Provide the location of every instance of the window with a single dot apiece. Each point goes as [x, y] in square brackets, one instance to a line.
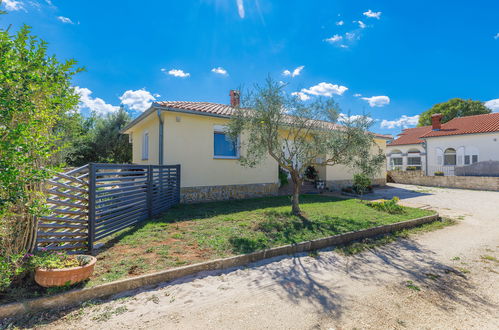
[397, 161]
[467, 160]
[474, 159]
[223, 146]
[450, 156]
[145, 146]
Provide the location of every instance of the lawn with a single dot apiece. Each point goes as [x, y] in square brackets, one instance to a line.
[194, 233]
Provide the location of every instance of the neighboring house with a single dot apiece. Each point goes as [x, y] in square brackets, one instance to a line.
[192, 134]
[459, 143]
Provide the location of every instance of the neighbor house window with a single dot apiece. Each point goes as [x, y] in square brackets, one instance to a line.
[467, 160]
[145, 146]
[474, 159]
[450, 156]
[223, 146]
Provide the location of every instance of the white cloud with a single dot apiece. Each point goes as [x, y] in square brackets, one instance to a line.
[296, 72]
[333, 39]
[377, 101]
[357, 95]
[220, 71]
[496, 36]
[342, 118]
[93, 104]
[138, 100]
[362, 25]
[13, 5]
[240, 8]
[177, 73]
[404, 122]
[340, 23]
[351, 36]
[372, 14]
[493, 105]
[325, 89]
[65, 20]
[302, 96]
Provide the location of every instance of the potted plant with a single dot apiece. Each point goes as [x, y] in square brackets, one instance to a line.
[59, 269]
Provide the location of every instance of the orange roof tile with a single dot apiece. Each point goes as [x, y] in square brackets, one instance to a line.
[410, 136]
[467, 125]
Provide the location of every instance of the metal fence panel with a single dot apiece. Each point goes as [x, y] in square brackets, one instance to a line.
[97, 200]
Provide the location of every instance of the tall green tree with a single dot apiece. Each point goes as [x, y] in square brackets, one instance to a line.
[35, 93]
[101, 140]
[452, 109]
[298, 135]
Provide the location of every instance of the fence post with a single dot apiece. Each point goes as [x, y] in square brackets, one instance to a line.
[91, 206]
[177, 195]
[149, 190]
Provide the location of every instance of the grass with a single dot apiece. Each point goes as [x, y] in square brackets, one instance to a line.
[195, 233]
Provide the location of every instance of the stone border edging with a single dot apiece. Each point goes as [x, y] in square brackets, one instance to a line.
[105, 290]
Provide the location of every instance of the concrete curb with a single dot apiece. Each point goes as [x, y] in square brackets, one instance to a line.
[74, 297]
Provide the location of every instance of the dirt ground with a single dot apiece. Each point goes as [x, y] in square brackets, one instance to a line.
[446, 279]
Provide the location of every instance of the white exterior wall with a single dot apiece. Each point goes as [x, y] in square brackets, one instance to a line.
[404, 149]
[485, 145]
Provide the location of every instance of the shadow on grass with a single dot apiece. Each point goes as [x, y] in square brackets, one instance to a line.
[199, 211]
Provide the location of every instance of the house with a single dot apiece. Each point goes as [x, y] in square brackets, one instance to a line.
[453, 146]
[192, 134]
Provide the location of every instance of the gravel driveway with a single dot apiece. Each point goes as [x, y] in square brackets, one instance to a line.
[446, 279]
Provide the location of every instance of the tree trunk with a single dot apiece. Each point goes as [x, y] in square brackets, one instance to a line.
[296, 194]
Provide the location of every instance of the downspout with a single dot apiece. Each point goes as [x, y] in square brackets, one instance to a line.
[161, 125]
[426, 157]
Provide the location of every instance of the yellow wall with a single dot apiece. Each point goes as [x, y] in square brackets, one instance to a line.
[151, 125]
[342, 172]
[189, 142]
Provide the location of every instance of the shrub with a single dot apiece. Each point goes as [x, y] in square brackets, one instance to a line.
[13, 268]
[439, 173]
[311, 173]
[361, 183]
[389, 206]
[411, 168]
[283, 176]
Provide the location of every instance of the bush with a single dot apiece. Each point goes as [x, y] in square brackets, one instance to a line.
[439, 173]
[311, 173]
[283, 176]
[13, 268]
[361, 183]
[389, 206]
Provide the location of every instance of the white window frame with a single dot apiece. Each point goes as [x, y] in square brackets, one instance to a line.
[145, 145]
[223, 130]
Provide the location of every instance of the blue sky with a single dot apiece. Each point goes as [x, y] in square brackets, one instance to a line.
[389, 59]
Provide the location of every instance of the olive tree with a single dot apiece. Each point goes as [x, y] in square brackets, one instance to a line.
[35, 92]
[300, 134]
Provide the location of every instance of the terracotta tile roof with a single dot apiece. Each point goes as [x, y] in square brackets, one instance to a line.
[468, 125]
[205, 107]
[222, 110]
[410, 136]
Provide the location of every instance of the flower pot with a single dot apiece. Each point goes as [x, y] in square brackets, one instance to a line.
[59, 277]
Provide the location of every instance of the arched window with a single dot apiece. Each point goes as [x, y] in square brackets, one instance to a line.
[450, 156]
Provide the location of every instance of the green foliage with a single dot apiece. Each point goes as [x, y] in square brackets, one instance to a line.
[296, 134]
[100, 140]
[283, 177]
[57, 260]
[439, 173]
[311, 173]
[452, 109]
[411, 168]
[389, 206]
[361, 183]
[35, 95]
[11, 267]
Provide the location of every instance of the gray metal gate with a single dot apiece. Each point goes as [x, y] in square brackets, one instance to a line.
[92, 202]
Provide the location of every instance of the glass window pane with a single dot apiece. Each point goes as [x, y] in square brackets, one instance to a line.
[474, 159]
[414, 161]
[450, 159]
[223, 146]
[467, 160]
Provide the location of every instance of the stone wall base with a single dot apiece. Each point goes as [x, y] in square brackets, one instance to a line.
[337, 185]
[464, 182]
[219, 193]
